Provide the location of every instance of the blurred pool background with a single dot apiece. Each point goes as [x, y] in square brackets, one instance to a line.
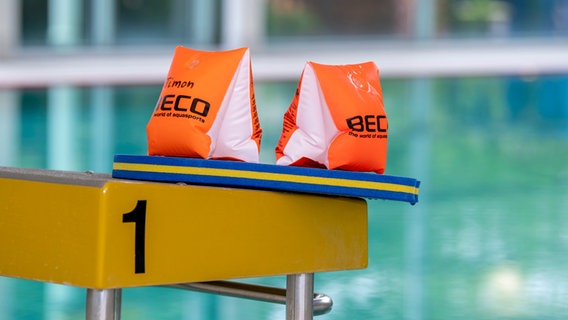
[487, 137]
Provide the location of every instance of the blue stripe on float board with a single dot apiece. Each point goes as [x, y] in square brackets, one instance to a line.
[266, 176]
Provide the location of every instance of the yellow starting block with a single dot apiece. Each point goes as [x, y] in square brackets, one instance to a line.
[93, 231]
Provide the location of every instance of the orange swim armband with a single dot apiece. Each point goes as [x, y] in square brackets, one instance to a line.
[207, 108]
[336, 120]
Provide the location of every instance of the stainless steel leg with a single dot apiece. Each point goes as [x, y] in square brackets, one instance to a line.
[299, 296]
[103, 304]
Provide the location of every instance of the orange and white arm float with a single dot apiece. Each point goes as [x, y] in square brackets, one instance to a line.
[336, 120]
[207, 108]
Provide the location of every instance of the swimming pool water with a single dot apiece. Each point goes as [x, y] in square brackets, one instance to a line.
[486, 241]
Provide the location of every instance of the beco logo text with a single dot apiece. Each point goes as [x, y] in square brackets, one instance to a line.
[184, 103]
[368, 123]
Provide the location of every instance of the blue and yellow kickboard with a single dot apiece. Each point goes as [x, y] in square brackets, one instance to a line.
[266, 176]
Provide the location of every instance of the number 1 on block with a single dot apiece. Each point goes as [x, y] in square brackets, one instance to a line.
[138, 217]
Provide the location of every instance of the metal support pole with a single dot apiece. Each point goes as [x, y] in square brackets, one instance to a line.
[103, 304]
[299, 296]
[321, 304]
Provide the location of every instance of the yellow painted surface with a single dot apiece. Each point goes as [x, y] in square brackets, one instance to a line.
[49, 231]
[76, 235]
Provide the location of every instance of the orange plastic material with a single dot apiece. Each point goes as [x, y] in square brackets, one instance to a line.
[207, 108]
[336, 120]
